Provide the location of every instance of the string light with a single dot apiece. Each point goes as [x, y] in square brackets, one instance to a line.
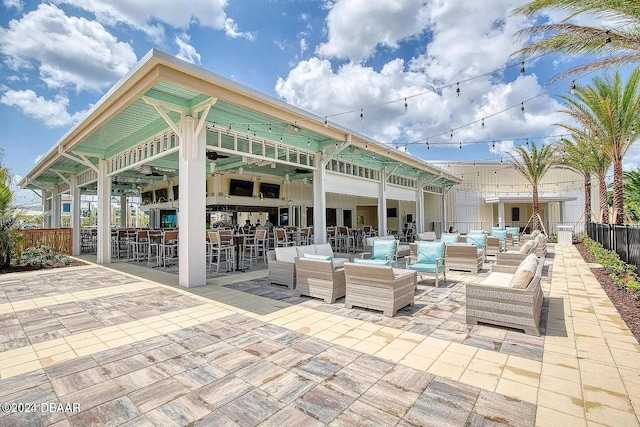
[269, 128]
[573, 87]
[326, 123]
[461, 145]
[451, 136]
[406, 106]
[522, 70]
[493, 144]
[482, 124]
[361, 114]
[428, 145]
[608, 39]
[458, 90]
[522, 107]
[280, 137]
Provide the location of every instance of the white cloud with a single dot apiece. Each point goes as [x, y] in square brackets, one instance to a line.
[15, 4]
[357, 27]
[186, 51]
[52, 112]
[231, 30]
[145, 14]
[501, 148]
[303, 46]
[313, 84]
[38, 158]
[68, 51]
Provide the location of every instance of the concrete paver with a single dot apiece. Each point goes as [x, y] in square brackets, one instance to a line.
[129, 346]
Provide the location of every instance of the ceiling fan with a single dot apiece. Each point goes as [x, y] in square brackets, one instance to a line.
[214, 155]
[300, 171]
[148, 171]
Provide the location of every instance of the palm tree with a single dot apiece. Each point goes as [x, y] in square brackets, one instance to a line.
[533, 165]
[8, 220]
[620, 45]
[610, 111]
[632, 193]
[583, 153]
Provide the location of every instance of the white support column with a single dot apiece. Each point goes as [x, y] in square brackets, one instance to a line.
[46, 206]
[500, 215]
[75, 215]
[192, 203]
[123, 211]
[104, 214]
[562, 207]
[420, 208]
[319, 203]
[55, 207]
[382, 203]
[443, 213]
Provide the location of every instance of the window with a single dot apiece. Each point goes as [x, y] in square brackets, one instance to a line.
[515, 214]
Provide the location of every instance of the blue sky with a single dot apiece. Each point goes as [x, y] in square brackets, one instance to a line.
[328, 57]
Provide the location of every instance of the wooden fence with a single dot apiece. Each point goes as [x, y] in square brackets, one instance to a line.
[59, 239]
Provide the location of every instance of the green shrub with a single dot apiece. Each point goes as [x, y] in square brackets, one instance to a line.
[622, 274]
[42, 257]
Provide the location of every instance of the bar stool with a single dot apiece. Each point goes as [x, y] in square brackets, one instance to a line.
[256, 244]
[169, 247]
[222, 250]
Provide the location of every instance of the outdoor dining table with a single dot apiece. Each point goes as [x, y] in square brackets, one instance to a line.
[238, 241]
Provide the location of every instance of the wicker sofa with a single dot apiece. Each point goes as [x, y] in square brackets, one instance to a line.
[463, 257]
[319, 279]
[509, 296]
[381, 288]
[281, 261]
[514, 258]
[541, 250]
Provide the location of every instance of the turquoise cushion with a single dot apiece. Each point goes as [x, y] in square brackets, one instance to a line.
[383, 249]
[428, 252]
[514, 231]
[450, 238]
[318, 257]
[500, 234]
[426, 267]
[373, 261]
[479, 240]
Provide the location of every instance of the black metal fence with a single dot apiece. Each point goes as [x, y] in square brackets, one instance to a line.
[623, 239]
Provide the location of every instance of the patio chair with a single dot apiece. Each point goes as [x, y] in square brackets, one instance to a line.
[254, 245]
[281, 238]
[383, 252]
[501, 235]
[221, 250]
[479, 241]
[169, 248]
[429, 259]
[382, 288]
[514, 232]
[463, 257]
[319, 278]
[427, 236]
[493, 245]
[450, 238]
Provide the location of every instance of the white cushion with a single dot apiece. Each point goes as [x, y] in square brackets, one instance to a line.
[339, 262]
[526, 247]
[308, 249]
[525, 272]
[427, 235]
[324, 249]
[286, 254]
[498, 279]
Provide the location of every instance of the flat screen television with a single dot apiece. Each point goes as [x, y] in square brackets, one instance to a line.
[392, 212]
[161, 195]
[270, 191]
[175, 192]
[241, 188]
[147, 197]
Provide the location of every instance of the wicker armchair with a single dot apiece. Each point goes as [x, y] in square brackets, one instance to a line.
[319, 279]
[382, 288]
[463, 257]
[496, 301]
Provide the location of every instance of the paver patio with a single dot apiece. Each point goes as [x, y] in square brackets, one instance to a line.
[131, 351]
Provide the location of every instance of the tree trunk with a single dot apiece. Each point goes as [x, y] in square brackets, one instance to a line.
[604, 206]
[587, 198]
[536, 209]
[618, 191]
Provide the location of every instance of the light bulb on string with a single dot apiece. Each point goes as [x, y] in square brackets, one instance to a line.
[406, 106]
[608, 39]
[269, 128]
[361, 114]
[522, 107]
[461, 145]
[326, 123]
[573, 87]
[493, 144]
[522, 70]
[458, 90]
[428, 145]
[527, 142]
[482, 124]
[280, 137]
[451, 136]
